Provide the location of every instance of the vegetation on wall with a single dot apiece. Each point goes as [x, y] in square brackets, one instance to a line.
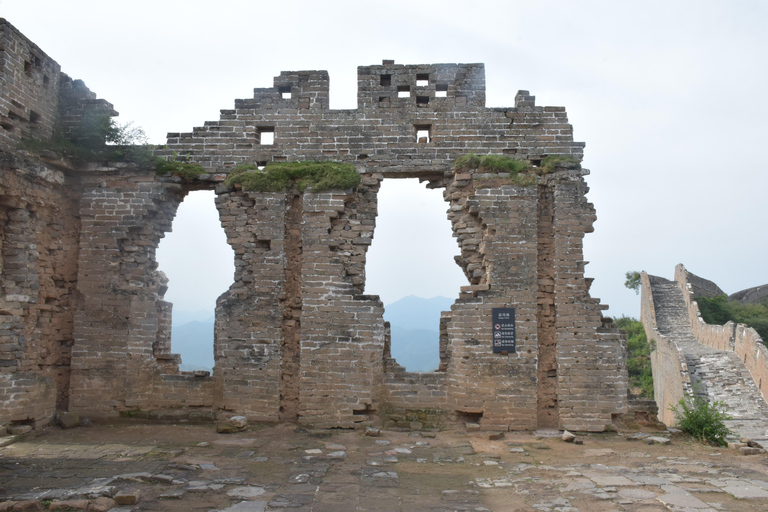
[520, 172]
[277, 176]
[178, 168]
[638, 356]
[98, 138]
[720, 309]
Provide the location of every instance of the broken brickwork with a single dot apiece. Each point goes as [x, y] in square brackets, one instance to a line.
[296, 338]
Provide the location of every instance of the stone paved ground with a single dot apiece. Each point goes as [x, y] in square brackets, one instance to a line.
[189, 468]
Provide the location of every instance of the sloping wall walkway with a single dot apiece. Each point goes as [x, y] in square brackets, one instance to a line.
[717, 374]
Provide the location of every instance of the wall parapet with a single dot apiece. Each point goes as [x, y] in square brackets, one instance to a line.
[671, 377]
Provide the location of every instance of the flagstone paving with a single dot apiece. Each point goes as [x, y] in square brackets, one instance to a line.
[187, 468]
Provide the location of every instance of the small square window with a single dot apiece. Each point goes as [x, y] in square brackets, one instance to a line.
[384, 101]
[423, 133]
[386, 80]
[441, 91]
[285, 92]
[422, 80]
[261, 165]
[266, 135]
[422, 101]
[403, 91]
[34, 117]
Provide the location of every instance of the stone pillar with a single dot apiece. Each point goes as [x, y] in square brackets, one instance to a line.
[249, 316]
[114, 363]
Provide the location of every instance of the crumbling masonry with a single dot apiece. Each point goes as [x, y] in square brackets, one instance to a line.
[83, 324]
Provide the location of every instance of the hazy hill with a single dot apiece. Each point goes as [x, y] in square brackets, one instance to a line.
[194, 341]
[415, 324]
[415, 334]
[417, 313]
[181, 316]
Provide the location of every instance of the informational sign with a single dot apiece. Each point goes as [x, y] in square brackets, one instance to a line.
[503, 329]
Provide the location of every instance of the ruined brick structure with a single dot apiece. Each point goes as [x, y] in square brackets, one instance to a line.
[85, 328]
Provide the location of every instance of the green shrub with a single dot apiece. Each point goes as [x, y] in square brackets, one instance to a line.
[276, 176]
[703, 420]
[638, 356]
[719, 310]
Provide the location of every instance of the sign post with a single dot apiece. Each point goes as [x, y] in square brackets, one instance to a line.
[503, 330]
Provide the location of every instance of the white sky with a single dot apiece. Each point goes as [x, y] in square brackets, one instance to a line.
[670, 97]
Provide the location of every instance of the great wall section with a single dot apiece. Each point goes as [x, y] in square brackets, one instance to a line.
[721, 363]
[83, 322]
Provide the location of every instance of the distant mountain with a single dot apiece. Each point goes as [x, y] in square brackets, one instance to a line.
[415, 327]
[182, 316]
[415, 324]
[417, 313]
[416, 349]
[194, 341]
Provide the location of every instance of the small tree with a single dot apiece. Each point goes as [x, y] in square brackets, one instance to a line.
[633, 281]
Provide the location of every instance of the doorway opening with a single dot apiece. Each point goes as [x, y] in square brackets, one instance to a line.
[199, 264]
[411, 266]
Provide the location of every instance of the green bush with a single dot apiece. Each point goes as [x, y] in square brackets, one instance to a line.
[277, 176]
[703, 420]
[638, 356]
[719, 310]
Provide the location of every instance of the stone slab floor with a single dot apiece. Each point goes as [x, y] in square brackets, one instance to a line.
[184, 468]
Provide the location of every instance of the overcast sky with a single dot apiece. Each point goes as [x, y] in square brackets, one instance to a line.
[670, 98]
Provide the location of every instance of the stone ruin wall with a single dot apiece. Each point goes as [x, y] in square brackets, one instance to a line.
[296, 339]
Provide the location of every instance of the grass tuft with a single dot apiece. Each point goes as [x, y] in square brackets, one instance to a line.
[277, 176]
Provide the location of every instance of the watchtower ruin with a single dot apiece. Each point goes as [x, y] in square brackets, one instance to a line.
[85, 326]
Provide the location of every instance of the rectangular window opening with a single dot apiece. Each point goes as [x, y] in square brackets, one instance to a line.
[34, 117]
[384, 101]
[422, 79]
[285, 92]
[441, 91]
[422, 101]
[261, 164]
[423, 133]
[27, 67]
[385, 80]
[403, 91]
[266, 135]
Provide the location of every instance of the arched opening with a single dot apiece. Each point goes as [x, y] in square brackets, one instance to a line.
[411, 266]
[199, 265]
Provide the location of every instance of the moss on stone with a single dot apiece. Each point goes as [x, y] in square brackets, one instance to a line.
[183, 170]
[553, 163]
[277, 176]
